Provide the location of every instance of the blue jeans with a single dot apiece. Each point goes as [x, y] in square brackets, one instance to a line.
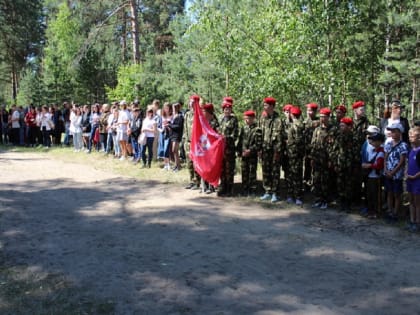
[136, 148]
[92, 134]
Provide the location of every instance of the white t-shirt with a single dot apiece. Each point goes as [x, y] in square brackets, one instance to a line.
[149, 123]
[15, 119]
[123, 118]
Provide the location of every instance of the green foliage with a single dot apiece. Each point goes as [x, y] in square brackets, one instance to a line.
[128, 88]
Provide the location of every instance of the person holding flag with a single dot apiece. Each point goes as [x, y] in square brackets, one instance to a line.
[207, 146]
[195, 179]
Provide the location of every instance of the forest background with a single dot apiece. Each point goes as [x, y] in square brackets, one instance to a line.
[325, 51]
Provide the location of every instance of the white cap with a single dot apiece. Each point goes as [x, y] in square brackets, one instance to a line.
[373, 129]
[396, 126]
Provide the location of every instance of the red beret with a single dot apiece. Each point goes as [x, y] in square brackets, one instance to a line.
[195, 98]
[325, 111]
[208, 107]
[270, 101]
[295, 111]
[226, 105]
[347, 120]
[228, 99]
[249, 113]
[341, 108]
[287, 107]
[312, 106]
[358, 104]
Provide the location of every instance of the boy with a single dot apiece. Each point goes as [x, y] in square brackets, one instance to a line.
[374, 166]
[413, 179]
[395, 156]
[249, 144]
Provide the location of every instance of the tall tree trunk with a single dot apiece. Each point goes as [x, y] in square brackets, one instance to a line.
[14, 83]
[124, 35]
[135, 31]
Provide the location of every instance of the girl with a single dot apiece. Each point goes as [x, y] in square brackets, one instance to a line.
[413, 179]
[149, 127]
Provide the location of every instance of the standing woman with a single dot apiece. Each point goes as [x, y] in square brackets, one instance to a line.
[164, 133]
[30, 120]
[94, 122]
[149, 128]
[45, 123]
[76, 128]
[103, 124]
[176, 128]
[122, 136]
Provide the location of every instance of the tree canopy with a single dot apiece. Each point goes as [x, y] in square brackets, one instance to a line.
[329, 52]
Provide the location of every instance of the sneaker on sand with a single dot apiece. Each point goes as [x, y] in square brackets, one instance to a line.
[266, 196]
[274, 198]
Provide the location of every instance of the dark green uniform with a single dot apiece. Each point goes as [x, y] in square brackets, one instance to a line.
[342, 153]
[250, 138]
[295, 151]
[186, 139]
[359, 137]
[229, 129]
[309, 127]
[322, 139]
[271, 127]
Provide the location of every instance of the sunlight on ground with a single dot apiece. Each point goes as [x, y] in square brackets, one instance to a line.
[343, 254]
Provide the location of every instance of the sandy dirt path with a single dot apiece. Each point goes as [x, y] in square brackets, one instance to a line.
[150, 248]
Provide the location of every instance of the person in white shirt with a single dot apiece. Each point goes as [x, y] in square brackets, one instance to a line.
[46, 125]
[15, 125]
[149, 128]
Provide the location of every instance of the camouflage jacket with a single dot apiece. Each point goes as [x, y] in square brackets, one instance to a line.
[309, 126]
[188, 121]
[250, 138]
[295, 139]
[229, 129]
[359, 131]
[342, 151]
[271, 128]
[322, 140]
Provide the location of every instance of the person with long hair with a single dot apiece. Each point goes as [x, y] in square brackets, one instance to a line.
[149, 128]
[176, 127]
[164, 133]
[122, 136]
[30, 120]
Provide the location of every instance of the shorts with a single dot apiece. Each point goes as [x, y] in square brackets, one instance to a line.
[413, 186]
[393, 185]
[121, 136]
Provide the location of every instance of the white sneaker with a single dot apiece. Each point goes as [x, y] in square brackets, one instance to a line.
[299, 202]
[122, 158]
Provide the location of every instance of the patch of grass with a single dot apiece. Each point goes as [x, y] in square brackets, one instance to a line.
[23, 292]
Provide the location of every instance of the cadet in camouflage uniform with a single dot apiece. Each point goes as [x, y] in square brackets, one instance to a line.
[229, 129]
[311, 122]
[295, 152]
[340, 111]
[271, 127]
[249, 144]
[284, 161]
[195, 179]
[342, 157]
[322, 139]
[360, 125]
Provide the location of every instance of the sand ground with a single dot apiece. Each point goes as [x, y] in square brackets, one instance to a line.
[150, 248]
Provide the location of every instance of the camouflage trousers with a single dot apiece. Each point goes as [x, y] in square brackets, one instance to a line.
[343, 188]
[320, 180]
[249, 174]
[295, 180]
[194, 177]
[228, 172]
[271, 172]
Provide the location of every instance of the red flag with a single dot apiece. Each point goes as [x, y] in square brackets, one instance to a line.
[207, 148]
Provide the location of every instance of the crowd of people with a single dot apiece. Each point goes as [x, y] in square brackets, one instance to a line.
[334, 155]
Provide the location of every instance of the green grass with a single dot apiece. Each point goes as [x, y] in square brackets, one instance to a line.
[107, 163]
[22, 292]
